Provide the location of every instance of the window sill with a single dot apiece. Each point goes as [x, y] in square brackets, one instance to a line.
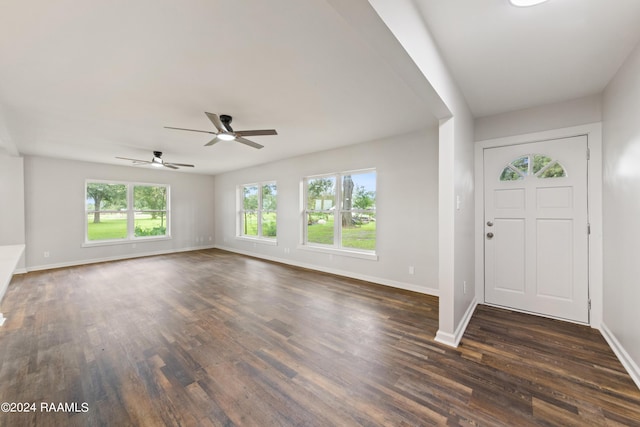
[124, 241]
[262, 241]
[372, 256]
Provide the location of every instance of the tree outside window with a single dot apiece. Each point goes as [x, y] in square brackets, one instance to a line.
[106, 206]
[150, 210]
[356, 227]
[122, 211]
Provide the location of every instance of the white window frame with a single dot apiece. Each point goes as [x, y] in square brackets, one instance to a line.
[130, 211]
[259, 212]
[336, 211]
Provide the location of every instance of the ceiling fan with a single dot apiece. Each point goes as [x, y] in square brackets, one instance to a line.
[157, 162]
[226, 133]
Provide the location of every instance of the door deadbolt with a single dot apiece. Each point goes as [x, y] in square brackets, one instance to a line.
[489, 235]
[490, 223]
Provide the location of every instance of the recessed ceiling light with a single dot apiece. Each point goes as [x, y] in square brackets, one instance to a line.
[526, 3]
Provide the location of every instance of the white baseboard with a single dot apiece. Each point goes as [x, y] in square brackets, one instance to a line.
[453, 340]
[113, 258]
[337, 272]
[629, 364]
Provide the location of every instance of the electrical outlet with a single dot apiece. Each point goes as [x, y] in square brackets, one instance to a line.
[411, 269]
[464, 286]
[46, 254]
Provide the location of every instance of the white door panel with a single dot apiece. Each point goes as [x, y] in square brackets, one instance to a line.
[510, 275]
[554, 249]
[536, 242]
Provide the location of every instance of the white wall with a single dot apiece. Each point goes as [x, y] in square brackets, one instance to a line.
[546, 117]
[621, 211]
[407, 210]
[456, 137]
[54, 200]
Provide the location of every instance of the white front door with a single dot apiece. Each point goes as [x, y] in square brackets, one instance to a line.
[536, 228]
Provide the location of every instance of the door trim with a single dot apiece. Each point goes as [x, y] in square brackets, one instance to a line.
[593, 132]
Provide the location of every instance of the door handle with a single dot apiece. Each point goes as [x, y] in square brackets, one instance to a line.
[489, 235]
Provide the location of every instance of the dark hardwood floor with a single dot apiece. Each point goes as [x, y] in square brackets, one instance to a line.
[210, 338]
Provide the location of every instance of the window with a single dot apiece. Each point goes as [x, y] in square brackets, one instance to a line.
[537, 165]
[258, 205]
[122, 211]
[150, 210]
[340, 211]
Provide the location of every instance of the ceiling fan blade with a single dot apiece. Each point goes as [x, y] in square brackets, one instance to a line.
[256, 132]
[249, 143]
[216, 121]
[170, 166]
[184, 165]
[133, 160]
[213, 141]
[190, 130]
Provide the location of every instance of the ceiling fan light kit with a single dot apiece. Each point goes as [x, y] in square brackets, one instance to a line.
[226, 136]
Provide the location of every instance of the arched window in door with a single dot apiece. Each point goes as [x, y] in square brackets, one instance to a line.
[537, 165]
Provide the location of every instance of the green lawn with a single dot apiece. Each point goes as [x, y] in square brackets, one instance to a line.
[363, 236]
[357, 237]
[114, 226]
[268, 225]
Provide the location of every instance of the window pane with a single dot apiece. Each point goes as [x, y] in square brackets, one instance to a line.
[522, 164]
[150, 202]
[554, 171]
[320, 228]
[540, 162]
[359, 230]
[359, 191]
[269, 224]
[269, 197]
[321, 193]
[102, 196]
[105, 226]
[250, 223]
[149, 198]
[250, 198]
[150, 224]
[509, 174]
[106, 197]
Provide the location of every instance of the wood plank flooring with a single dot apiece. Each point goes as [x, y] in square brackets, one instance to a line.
[210, 338]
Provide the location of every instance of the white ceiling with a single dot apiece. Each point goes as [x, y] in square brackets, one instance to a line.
[508, 58]
[91, 80]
